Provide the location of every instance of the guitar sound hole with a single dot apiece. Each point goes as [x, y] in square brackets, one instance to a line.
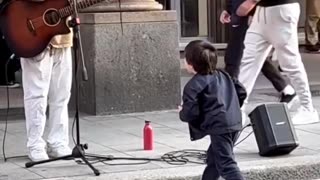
[52, 17]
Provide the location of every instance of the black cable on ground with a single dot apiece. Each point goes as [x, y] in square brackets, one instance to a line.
[180, 157]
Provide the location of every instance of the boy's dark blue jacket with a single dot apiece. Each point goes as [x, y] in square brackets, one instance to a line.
[211, 104]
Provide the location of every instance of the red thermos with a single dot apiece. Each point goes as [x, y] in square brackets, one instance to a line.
[148, 136]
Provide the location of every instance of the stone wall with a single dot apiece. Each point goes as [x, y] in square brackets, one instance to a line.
[133, 66]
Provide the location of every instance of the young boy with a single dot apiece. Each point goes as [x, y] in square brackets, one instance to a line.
[211, 106]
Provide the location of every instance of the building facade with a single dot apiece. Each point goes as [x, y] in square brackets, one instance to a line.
[199, 19]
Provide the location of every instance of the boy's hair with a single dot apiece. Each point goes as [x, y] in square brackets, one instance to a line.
[201, 55]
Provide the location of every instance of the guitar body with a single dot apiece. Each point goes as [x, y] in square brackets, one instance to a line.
[28, 27]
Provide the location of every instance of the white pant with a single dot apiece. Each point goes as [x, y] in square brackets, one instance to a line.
[47, 80]
[275, 26]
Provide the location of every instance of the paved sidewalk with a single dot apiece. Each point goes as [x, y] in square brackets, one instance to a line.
[121, 136]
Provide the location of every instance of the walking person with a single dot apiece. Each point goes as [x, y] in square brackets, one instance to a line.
[234, 52]
[283, 17]
[211, 106]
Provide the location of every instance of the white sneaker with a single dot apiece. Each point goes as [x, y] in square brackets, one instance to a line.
[59, 151]
[304, 116]
[38, 154]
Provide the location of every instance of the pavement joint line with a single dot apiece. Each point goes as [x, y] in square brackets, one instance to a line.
[261, 170]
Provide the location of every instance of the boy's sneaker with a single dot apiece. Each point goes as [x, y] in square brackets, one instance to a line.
[304, 116]
[38, 154]
[59, 151]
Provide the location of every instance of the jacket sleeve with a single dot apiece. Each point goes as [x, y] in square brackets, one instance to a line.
[190, 106]
[241, 91]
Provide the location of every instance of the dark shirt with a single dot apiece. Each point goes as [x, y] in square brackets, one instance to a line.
[267, 3]
[232, 5]
[211, 104]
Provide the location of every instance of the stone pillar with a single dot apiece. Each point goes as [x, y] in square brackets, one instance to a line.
[125, 6]
[132, 58]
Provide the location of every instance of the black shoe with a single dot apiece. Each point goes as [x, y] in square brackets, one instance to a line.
[10, 85]
[312, 48]
[287, 98]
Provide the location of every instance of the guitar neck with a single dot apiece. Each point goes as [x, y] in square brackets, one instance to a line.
[68, 11]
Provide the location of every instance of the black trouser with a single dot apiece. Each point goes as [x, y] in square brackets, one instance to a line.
[12, 66]
[234, 52]
[220, 158]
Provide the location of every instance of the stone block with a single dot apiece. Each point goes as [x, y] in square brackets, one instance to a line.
[133, 63]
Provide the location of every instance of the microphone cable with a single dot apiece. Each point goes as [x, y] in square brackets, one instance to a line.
[8, 107]
[239, 142]
[179, 157]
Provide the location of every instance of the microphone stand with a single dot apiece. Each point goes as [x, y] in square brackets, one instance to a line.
[79, 149]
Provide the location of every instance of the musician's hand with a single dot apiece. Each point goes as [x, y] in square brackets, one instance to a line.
[225, 17]
[179, 108]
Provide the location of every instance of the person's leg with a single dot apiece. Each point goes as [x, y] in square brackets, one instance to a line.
[3, 63]
[36, 76]
[211, 171]
[311, 33]
[234, 51]
[278, 81]
[222, 150]
[273, 75]
[11, 71]
[59, 95]
[255, 52]
[4, 57]
[284, 37]
[254, 55]
[311, 27]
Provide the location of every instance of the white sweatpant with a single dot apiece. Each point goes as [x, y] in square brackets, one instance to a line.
[47, 80]
[275, 26]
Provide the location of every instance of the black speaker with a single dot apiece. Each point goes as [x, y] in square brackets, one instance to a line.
[273, 129]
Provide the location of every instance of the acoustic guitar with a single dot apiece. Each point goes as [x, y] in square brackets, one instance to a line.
[245, 7]
[28, 26]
